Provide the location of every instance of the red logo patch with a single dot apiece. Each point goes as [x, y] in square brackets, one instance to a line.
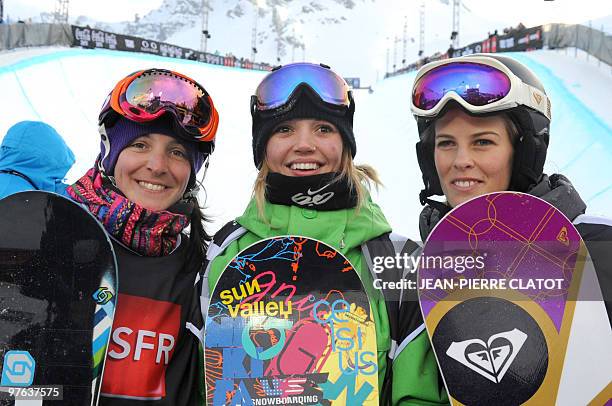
[144, 336]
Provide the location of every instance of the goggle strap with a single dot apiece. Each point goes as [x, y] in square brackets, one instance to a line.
[107, 146]
[199, 183]
[528, 96]
[206, 162]
[351, 108]
[525, 96]
[532, 96]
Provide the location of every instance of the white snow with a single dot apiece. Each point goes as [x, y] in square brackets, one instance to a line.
[66, 87]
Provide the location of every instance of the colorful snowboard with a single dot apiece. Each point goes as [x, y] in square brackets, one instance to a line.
[289, 322]
[58, 287]
[512, 305]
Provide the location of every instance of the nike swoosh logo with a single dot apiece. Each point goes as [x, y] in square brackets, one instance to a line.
[310, 192]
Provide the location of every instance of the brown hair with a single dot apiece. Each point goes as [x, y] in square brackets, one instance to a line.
[429, 134]
[198, 237]
[511, 127]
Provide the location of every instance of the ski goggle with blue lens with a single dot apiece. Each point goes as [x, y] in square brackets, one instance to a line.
[479, 84]
[279, 87]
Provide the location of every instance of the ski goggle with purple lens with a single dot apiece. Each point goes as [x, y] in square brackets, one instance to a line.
[278, 87]
[479, 84]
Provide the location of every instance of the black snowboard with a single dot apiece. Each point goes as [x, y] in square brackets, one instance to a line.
[58, 284]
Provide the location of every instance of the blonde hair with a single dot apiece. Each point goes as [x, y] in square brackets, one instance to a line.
[360, 178]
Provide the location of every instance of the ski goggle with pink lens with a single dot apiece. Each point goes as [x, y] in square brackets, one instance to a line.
[146, 95]
[479, 84]
[280, 85]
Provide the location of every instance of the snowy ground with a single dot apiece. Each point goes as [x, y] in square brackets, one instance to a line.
[66, 87]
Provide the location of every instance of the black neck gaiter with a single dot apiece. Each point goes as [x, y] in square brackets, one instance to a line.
[323, 192]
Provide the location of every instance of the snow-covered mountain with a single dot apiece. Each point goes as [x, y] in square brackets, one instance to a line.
[159, 24]
[277, 19]
[359, 38]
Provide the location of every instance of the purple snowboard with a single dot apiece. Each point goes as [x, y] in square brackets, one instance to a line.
[498, 281]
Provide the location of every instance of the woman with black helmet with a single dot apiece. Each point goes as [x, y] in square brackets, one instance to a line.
[484, 124]
[157, 130]
[309, 185]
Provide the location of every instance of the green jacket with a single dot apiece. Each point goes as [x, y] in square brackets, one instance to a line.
[345, 230]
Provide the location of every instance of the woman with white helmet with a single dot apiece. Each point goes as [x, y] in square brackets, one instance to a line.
[484, 126]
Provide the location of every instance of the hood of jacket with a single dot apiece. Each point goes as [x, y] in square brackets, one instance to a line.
[344, 229]
[555, 189]
[36, 150]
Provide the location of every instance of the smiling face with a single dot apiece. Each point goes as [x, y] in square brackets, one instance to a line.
[153, 171]
[473, 155]
[304, 147]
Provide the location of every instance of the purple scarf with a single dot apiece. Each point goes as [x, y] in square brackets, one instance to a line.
[149, 233]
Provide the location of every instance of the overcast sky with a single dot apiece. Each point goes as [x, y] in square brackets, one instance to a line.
[530, 12]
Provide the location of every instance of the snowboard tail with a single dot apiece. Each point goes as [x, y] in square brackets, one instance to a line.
[58, 289]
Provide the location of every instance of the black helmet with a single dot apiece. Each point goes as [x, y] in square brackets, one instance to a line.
[301, 90]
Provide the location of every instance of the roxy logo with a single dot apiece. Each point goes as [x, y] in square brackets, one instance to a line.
[537, 97]
[491, 359]
[312, 197]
